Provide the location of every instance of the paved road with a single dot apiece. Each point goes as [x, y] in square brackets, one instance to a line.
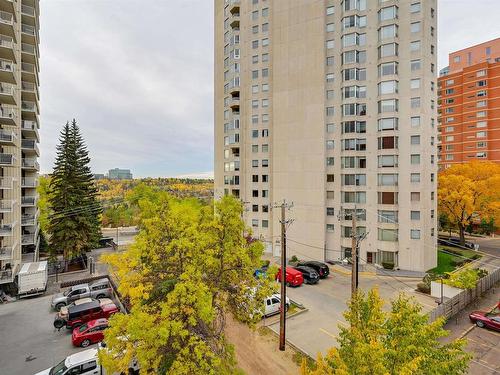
[487, 245]
[315, 330]
[28, 341]
[125, 235]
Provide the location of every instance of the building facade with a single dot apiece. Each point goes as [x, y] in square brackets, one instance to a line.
[469, 105]
[119, 174]
[19, 124]
[331, 105]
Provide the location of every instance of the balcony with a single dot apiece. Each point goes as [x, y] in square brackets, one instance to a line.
[30, 164]
[6, 183]
[29, 91]
[6, 205]
[234, 6]
[7, 160]
[234, 21]
[26, 10]
[8, 116]
[6, 276]
[7, 69]
[29, 73]
[7, 137]
[8, 6]
[30, 147]
[6, 253]
[28, 239]
[235, 103]
[29, 182]
[28, 34]
[7, 93]
[29, 110]
[28, 220]
[6, 230]
[29, 53]
[7, 47]
[30, 129]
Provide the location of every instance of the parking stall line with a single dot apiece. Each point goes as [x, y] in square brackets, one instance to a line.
[328, 333]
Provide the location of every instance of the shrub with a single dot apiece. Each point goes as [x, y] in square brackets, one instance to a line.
[388, 265]
[424, 288]
[294, 258]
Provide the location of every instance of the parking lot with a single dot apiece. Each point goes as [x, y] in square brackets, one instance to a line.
[28, 340]
[315, 330]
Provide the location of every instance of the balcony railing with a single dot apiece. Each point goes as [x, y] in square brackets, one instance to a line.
[7, 18]
[6, 41]
[6, 205]
[28, 106]
[6, 275]
[28, 220]
[29, 144]
[29, 182]
[7, 88]
[8, 112]
[28, 86]
[28, 201]
[28, 48]
[26, 9]
[5, 253]
[27, 29]
[28, 239]
[29, 125]
[5, 230]
[30, 163]
[28, 68]
[7, 65]
[6, 183]
[6, 159]
[7, 135]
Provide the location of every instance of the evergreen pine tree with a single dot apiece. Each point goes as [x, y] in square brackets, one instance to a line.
[74, 225]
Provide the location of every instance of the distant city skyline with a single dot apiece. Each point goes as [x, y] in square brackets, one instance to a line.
[143, 94]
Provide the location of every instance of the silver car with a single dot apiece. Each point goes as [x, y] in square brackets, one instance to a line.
[98, 289]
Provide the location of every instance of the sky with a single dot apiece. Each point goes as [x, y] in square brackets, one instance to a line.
[138, 77]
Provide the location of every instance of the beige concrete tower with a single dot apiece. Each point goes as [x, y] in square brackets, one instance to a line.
[19, 124]
[331, 105]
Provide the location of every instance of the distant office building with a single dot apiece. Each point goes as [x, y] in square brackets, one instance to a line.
[119, 174]
[469, 105]
[99, 176]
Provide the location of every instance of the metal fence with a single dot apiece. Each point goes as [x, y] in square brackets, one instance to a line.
[62, 266]
[456, 304]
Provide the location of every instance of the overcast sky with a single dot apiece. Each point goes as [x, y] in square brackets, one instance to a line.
[137, 75]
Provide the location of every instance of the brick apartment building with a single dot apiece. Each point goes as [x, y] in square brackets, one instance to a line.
[469, 105]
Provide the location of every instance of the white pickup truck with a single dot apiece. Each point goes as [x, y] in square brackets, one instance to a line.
[82, 363]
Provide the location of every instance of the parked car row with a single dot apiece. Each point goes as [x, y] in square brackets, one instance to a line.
[309, 272]
[98, 289]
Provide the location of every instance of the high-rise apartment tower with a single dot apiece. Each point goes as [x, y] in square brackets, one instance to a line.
[19, 124]
[330, 105]
[469, 105]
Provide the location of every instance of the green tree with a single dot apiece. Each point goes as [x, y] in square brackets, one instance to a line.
[401, 341]
[73, 222]
[190, 266]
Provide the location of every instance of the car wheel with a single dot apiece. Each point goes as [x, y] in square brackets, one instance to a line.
[59, 305]
[480, 324]
[85, 343]
[100, 296]
[59, 323]
[288, 284]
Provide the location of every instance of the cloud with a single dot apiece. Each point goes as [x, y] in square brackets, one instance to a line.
[137, 75]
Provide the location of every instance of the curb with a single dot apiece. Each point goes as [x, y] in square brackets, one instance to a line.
[348, 273]
[293, 346]
[467, 331]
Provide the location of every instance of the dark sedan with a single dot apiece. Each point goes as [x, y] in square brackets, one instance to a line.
[321, 268]
[309, 274]
[486, 320]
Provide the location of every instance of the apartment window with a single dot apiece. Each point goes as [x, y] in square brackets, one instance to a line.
[329, 94]
[415, 159]
[255, 89]
[265, 223]
[330, 10]
[255, 223]
[255, 29]
[388, 13]
[415, 8]
[329, 61]
[415, 177]
[265, 103]
[330, 211]
[388, 32]
[255, 133]
[482, 124]
[481, 73]
[255, 59]
[389, 49]
[387, 197]
[265, 133]
[415, 121]
[415, 65]
[354, 127]
[387, 143]
[415, 139]
[481, 135]
[330, 27]
[265, 27]
[329, 77]
[265, 148]
[415, 196]
[387, 69]
[265, 42]
[330, 194]
[481, 103]
[255, 193]
[481, 83]
[415, 102]
[330, 161]
[449, 129]
[265, 193]
[265, 118]
[255, 178]
[265, 208]
[255, 148]
[390, 123]
[353, 196]
[354, 180]
[388, 105]
[415, 27]
[330, 128]
[330, 111]
[388, 87]
[265, 57]
[390, 217]
[415, 46]
[387, 235]
[265, 178]
[387, 179]
[385, 161]
[415, 83]
[330, 178]
[265, 12]
[330, 44]
[415, 234]
[330, 145]
[481, 93]
[481, 144]
[330, 227]
[255, 44]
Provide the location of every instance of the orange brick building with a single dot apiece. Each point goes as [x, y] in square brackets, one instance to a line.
[469, 105]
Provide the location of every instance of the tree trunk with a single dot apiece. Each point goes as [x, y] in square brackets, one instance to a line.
[462, 234]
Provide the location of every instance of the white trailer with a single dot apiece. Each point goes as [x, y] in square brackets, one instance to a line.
[32, 279]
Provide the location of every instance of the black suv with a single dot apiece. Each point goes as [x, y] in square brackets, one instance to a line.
[309, 274]
[321, 268]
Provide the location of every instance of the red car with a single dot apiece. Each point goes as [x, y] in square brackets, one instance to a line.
[80, 314]
[486, 320]
[89, 333]
[293, 277]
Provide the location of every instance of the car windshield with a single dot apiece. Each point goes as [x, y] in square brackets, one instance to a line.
[82, 328]
[59, 369]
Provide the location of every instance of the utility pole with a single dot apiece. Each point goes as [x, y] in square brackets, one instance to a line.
[284, 223]
[354, 254]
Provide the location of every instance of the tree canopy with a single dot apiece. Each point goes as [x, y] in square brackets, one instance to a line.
[190, 265]
[468, 192]
[73, 223]
[400, 341]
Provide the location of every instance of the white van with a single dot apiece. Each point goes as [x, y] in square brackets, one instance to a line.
[273, 303]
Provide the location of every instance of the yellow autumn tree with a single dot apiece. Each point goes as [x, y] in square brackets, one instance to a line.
[468, 192]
